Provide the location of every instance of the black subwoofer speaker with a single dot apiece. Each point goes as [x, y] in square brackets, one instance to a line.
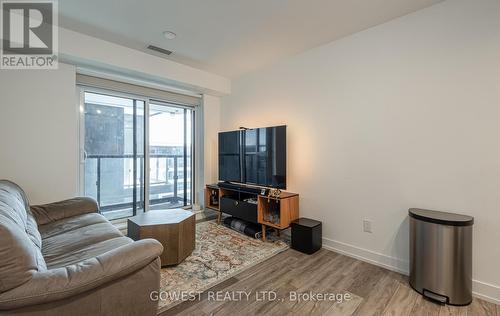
[306, 235]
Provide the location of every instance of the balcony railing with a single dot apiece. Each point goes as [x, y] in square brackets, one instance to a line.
[170, 182]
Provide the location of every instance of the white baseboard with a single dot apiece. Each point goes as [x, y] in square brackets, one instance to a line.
[378, 259]
[485, 291]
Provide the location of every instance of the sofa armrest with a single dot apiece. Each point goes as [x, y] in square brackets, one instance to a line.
[51, 212]
[61, 283]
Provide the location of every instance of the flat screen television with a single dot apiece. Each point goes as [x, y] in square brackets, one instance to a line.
[254, 156]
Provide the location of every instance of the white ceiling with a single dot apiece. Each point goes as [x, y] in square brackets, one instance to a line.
[229, 37]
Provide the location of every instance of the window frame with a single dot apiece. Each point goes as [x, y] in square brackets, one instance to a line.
[195, 134]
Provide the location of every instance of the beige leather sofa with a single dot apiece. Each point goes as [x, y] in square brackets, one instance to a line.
[65, 258]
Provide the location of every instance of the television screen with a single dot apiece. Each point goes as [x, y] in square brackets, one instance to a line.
[265, 156]
[262, 153]
[230, 156]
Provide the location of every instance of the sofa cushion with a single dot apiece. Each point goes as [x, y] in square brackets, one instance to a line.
[20, 241]
[71, 223]
[78, 238]
[65, 259]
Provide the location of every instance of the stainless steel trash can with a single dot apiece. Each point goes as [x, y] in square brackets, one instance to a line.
[441, 255]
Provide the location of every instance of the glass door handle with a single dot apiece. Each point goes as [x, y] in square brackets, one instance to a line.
[83, 156]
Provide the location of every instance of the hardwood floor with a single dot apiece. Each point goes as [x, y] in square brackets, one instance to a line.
[373, 290]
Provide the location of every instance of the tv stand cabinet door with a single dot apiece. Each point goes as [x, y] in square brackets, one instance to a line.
[239, 209]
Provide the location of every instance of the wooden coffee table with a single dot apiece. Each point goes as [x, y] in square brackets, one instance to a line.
[173, 228]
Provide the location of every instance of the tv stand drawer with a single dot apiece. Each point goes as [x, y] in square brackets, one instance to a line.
[239, 209]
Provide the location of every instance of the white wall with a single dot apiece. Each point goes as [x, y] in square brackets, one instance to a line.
[405, 114]
[211, 112]
[38, 142]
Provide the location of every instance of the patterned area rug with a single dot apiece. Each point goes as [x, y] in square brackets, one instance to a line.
[220, 253]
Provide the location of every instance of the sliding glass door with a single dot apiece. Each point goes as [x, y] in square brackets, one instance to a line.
[124, 136]
[170, 155]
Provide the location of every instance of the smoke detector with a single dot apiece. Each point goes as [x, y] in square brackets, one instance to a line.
[169, 35]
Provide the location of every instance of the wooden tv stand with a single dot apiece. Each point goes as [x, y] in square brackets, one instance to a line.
[275, 212]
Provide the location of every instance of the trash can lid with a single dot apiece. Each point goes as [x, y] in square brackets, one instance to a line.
[443, 218]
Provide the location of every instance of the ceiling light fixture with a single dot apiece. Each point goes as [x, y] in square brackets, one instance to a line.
[169, 35]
